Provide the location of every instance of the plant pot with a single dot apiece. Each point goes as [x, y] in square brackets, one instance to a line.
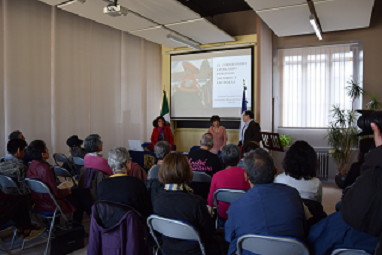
[340, 181]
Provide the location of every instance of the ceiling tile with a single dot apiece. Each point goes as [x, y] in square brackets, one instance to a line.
[258, 5]
[93, 10]
[158, 35]
[337, 15]
[161, 11]
[52, 2]
[202, 31]
[288, 21]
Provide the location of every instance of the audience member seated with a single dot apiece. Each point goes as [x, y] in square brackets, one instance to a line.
[362, 205]
[12, 165]
[203, 159]
[137, 171]
[70, 200]
[300, 165]
[89, 180]
[161, 132]
[333, 233]
[74, 144]
[230, 178]
[219, 133]
[249, 146]
[18, 135]
[178, 202]
[93, 160]
[161, 150]
[122, 188]
[16, 208]
[365, 145]
[267, 208]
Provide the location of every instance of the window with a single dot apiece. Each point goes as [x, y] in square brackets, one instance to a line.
[312, 80]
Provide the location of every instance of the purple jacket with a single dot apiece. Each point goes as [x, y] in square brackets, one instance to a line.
[117, 229]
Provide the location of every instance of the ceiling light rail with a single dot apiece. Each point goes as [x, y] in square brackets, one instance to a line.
[215, 47]
[66, 3]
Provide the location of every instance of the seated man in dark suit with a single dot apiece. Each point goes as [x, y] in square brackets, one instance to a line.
[122, 188]
[251, 129]
[267, 208]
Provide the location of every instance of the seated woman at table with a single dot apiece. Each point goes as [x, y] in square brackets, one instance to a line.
[161, 132]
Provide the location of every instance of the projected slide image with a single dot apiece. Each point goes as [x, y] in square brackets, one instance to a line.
[209, 84]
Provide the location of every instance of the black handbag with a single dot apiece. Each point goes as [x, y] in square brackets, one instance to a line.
[66, 241]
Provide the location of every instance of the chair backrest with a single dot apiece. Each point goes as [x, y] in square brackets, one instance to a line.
[227, 195]
[8, 183]
[201, 177]
[59, 157]
[42, 188]
[270, 245]
[348, 252]
[62, 172]
[174, 229]
[78, 161]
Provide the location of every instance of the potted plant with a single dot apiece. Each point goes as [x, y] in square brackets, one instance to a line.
[343, 130]
[286, 140]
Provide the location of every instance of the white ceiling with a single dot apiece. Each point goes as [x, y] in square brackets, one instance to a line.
[343, 14]
[287, 21]
[158, 35]
[149, 18]
[94, 10]
[161, 11]
[201, 31]
[291, 17]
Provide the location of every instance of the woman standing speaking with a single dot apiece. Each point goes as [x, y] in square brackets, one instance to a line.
[219, 133]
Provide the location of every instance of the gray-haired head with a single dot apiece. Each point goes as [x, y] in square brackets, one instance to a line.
[162, 149]
[230, 155]
[207, 140]
[259, 166]
[92, 142]
[118, 157]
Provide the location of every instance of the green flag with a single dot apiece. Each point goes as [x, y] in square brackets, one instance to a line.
[165, 112]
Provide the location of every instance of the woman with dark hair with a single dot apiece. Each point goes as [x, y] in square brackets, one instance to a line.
[176, 201]
[300, 164]
[365, 145]
[70, 200]
[161, 132]
[219, 133]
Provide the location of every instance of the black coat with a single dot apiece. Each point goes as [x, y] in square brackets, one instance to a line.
[252, 133]
[362, 205]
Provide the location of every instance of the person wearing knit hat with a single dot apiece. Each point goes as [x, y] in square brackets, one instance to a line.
[75, 146]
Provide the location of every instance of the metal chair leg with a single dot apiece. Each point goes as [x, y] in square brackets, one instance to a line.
[22, 246]
[13, 238]
[50, 232]
[5, 247]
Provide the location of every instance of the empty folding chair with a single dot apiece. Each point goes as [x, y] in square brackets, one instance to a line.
[174, 229]
[59, 171]
[227, 196]
[42, 188]
[78, 163]
[265, 245]
[61, 158]
[349, 252]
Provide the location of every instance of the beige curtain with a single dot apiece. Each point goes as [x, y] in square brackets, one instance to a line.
[312, 80]
[61, 74]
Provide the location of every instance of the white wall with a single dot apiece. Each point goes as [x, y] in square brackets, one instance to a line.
[61, 75]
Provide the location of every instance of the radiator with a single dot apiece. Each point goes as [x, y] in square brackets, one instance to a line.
[323, 164]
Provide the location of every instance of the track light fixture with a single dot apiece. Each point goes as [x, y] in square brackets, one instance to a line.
[184, 41]
[315, 26]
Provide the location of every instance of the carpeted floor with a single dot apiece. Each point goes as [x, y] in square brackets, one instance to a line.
[331, 195]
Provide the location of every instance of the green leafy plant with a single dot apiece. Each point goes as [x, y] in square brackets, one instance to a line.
[286, 140]
[374, 104]
[355, 90]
